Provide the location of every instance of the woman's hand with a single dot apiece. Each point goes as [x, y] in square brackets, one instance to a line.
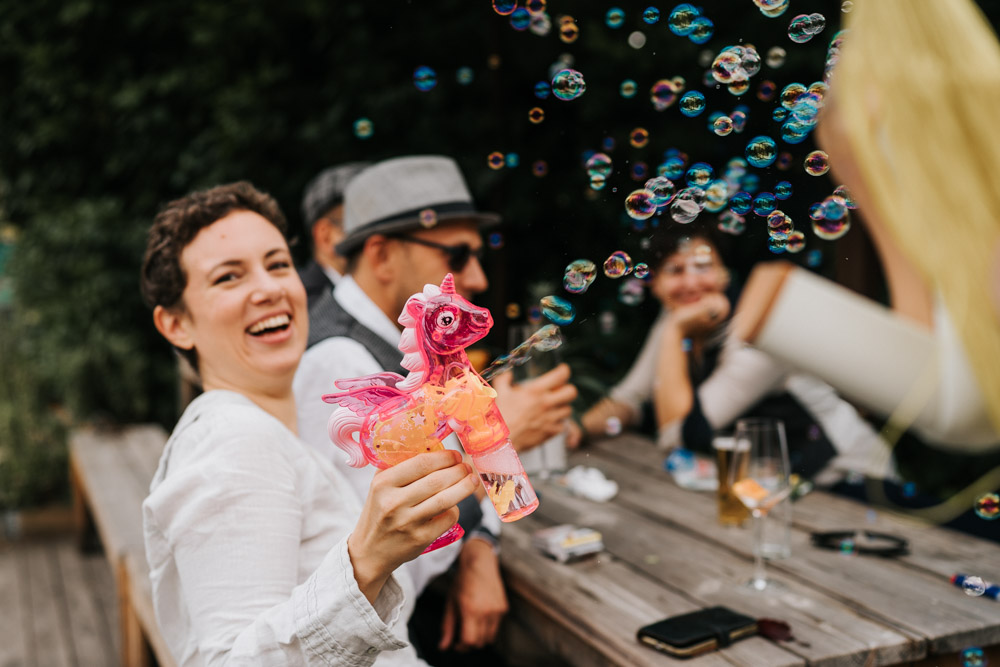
[408, 506]
[702, 316]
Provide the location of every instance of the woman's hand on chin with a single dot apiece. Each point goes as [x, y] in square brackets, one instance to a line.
[702, 316]
[408, 506]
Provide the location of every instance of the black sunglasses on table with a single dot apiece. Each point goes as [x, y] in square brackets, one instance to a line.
[458, 255]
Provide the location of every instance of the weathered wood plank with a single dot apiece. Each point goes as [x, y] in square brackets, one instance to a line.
[591, 609]
[16, 633]
[701, 569]
[50, 634]
[88, 633]
[101, 583]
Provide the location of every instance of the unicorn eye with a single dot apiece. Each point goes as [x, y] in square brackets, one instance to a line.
[446, 319]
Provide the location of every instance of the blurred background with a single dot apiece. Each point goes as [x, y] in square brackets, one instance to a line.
[110, 109]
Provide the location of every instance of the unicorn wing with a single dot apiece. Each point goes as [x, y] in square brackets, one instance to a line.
[373, 380]
[366, 393]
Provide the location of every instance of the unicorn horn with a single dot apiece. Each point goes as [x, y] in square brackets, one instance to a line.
[448, 285]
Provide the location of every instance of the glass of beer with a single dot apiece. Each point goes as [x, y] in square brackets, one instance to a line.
[732, 512]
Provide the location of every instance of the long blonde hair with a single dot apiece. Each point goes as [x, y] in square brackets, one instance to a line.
[918, 87]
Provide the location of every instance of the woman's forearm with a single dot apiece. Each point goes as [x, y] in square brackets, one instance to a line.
[673, 395]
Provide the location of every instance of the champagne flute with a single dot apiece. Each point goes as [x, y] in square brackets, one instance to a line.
[758, 476]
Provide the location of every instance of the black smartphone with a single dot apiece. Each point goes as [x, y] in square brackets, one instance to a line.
[697, 632]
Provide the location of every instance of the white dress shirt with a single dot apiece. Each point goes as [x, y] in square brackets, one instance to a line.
[246, 537]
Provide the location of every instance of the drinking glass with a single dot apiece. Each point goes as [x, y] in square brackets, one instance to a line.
[758, 476]
[550, 456]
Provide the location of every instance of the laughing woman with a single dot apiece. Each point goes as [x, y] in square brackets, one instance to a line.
[258, 551]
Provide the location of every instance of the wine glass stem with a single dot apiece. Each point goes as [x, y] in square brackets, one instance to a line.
[759, 575]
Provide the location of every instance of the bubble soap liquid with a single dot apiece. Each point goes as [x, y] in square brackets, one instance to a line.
[384, 419]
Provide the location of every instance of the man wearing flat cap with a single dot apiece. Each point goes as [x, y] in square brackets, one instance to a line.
[409, 221]
[323, 215]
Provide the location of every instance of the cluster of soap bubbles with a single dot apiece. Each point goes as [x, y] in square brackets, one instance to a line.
[772, 8]
[806, 26]
[686, 20]
[735, 65]
[974, 657]
[568, 84]
[664, 92]
[599, 167]
[831, 217]
[799, 110]
[988, 506]
[546, 339]
[363, 128]
[579, 275]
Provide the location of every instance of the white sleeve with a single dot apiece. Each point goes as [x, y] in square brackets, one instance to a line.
[880, 360]
[741, 379]
[232, 523]
[637, 386]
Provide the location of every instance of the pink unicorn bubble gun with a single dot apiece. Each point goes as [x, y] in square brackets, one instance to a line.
[384, 419]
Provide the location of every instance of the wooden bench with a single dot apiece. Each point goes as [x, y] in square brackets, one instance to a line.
[110, 472]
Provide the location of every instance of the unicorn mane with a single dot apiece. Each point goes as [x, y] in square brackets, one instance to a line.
[413, 358]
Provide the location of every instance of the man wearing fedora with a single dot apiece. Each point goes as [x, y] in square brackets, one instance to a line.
[408, 221]
[323, 215]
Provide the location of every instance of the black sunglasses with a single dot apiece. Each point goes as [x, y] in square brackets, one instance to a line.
[458, 255]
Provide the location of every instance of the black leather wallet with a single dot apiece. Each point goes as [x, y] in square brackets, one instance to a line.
[697, 632]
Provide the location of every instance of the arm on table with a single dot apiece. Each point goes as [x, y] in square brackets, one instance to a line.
[536, 409]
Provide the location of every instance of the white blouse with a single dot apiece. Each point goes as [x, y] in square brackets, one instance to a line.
[246, 536]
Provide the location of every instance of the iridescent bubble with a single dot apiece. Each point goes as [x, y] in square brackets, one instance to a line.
[716, 196]
[722, 126]
[569, 31]
[790, 93]
[363, 128]
[847, 547]
[638, 137]
[520, 19]
[535, 7]
[618, 264]
[775, 57]
[831, 230]
[766, 91]
[779, 224]
[568, 84]
[818, 23]
[641, 270]
[973, 657]
[988, 506]
[702, 30]
[817, 163]
[536, 115]
[764, 203]
[663, 94]
[728, 66]
[504, 7]
[750, 183]
[795, 241]
[847, 6]
[974, 586]
[541, 24]
[579, 275]
[738, 88]
[692, 103]
[794, 131]
[784, 162]
[495, 240]
[599, 164]
[628, 88]
[775, 11]
[608, 144]
[682, 19]
[672, 168]
[558, 310]
[699, 175]
[612, 426]
[800, 30]
[615, 17]
[512, 160]
[783, 190]
[739, 120]
[814, 258]
[513, 311]
[761, 151]
[542, 90]
[816, 211]
[640, 204]
[540, 168]
[428, 217]
[632, 292]
[834, 208]
[597, 182]
[741, 202]
[662, 189]
[639, 171]
[424, 78]
[651, 15]
[732, 223]
[495, 160]
[776, 244]
[686, 205]
[464, 76]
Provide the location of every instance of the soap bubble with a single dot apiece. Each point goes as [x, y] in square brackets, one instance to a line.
[738, 88]
[686, 205]
[722, 126]
[692, 103]
[568, 84]
[761, 151]
[599, 164]
[558, 310]
[495, 240]
[790, 93]
[639, 171]
[632, 292]
[651, 15]
[640, 204]
[662, 189]
[973, 657]
[535, 7]
[424, 78]
[541, 24]
[784, 162]
[363, 128]
[841, 191]
[775, 11]
[702, 30]
[988, 506]
[536, 115]
[776, 245]
[542, 90]
[641, 270]
[741, 202]
[817, 163]
[614, 18]
[766, 91]
[495, 160]
[974, 586]
[504, 7]
[800, 29]
[597, 182]
[847, 6]
[569, 31]
[764, 204]
[795, 241]
[540, 168]
[637, 39]
[663, 94]
[682, 18]
[639, 137]
[716, 196]
[831, 230]
[628, 88]
[608, 144]
[513, 311]
[428, 217]
[779, 225]
[775, 57]
[833, 208]
[732, 223]
[750, 183]
[783, 190]
[512, 160]
[579, 275]
[546, 339]
[699, 175]
[618, 264]
[672, 168]
[464, 76]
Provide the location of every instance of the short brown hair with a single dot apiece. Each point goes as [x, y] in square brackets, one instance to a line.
[162, 279]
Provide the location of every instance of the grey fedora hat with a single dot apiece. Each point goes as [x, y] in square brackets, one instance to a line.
[326, 190]
[399, 195]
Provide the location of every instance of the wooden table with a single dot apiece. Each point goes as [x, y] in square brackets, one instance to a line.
[665, 554]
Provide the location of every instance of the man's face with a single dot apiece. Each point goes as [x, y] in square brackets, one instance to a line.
[423, 264]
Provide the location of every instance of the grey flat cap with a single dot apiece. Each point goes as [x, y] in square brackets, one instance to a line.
[326, 190]
[399, 195]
